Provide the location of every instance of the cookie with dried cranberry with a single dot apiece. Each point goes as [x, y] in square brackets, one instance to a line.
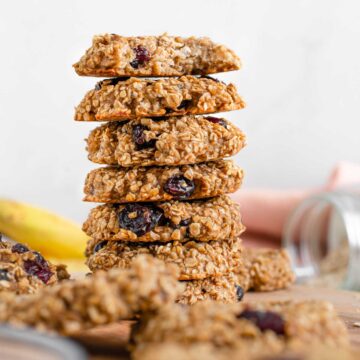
[164, 55]
[265, 350]
[279, 324]
[103, 298]
[24, 271]
[216, 218]
[122, 99]
[196, 260]
[143, 184]
[176, 141]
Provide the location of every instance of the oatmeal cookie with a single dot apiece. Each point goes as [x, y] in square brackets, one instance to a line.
[122, 99]
[216, 218]
[265, 270]
[225, 325]
[24, 271]
[103, 298]
[268, 349]
[260, 270]
[176, 141]
[141, 184]
[164, 55]
[196, 260]
[223, 289]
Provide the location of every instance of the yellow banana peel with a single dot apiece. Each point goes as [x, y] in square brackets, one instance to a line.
[53, 236]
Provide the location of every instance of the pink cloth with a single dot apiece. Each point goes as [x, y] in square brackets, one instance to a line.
[265, 211]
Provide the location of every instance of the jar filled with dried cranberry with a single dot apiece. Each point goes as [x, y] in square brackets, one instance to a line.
[322, 237]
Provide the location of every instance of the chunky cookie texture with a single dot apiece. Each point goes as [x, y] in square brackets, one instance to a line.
[103, 298]
[222, 289]
[216, 218]
[114, 55]
[24, 271]
[175, 141]
[274, 325]
[266, 350]
[122, 99]
[196, 260]
[143, 184]
[265, 270]
[260, 270]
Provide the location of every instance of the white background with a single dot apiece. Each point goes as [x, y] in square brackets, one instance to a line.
[301, 80]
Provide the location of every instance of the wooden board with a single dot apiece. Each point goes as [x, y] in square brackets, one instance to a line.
[109, 342]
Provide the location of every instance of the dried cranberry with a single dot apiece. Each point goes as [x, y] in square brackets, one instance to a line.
[139, 218]
[4, 275]
[209, 77]
[216, 120]
[38, 267]
[99, 246]
[34, 268]
[142, 56]
[185, 222]
[139, 138]
[179, 186]
[112, 81]
[184, 104]
[19, 248]
[239, 292]
[265, 320]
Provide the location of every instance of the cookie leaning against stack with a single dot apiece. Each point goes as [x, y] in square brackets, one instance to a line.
[165, 184]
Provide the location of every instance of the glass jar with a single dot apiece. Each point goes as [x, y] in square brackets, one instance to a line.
[322, 236]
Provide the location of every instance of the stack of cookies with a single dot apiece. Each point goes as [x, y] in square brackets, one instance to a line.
[165, 182]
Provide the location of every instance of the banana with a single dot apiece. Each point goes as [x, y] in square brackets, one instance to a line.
[43, 231]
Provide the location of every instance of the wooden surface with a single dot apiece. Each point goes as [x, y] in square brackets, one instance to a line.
[109, 342]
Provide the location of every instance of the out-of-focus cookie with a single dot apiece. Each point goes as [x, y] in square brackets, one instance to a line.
[24, 271]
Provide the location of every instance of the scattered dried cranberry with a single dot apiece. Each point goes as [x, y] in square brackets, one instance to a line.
[184, 104]
[185, 222]
[265, 320]
[142, 56]
[216, 120]
[39, 258]
[99, 246]
[4, 275]
[213, 79]
[38, 267]
[112, 81]
[139, 138]
[179, 186]
[140, 218]
[239, 292]
[210, 78]
[19, 248]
